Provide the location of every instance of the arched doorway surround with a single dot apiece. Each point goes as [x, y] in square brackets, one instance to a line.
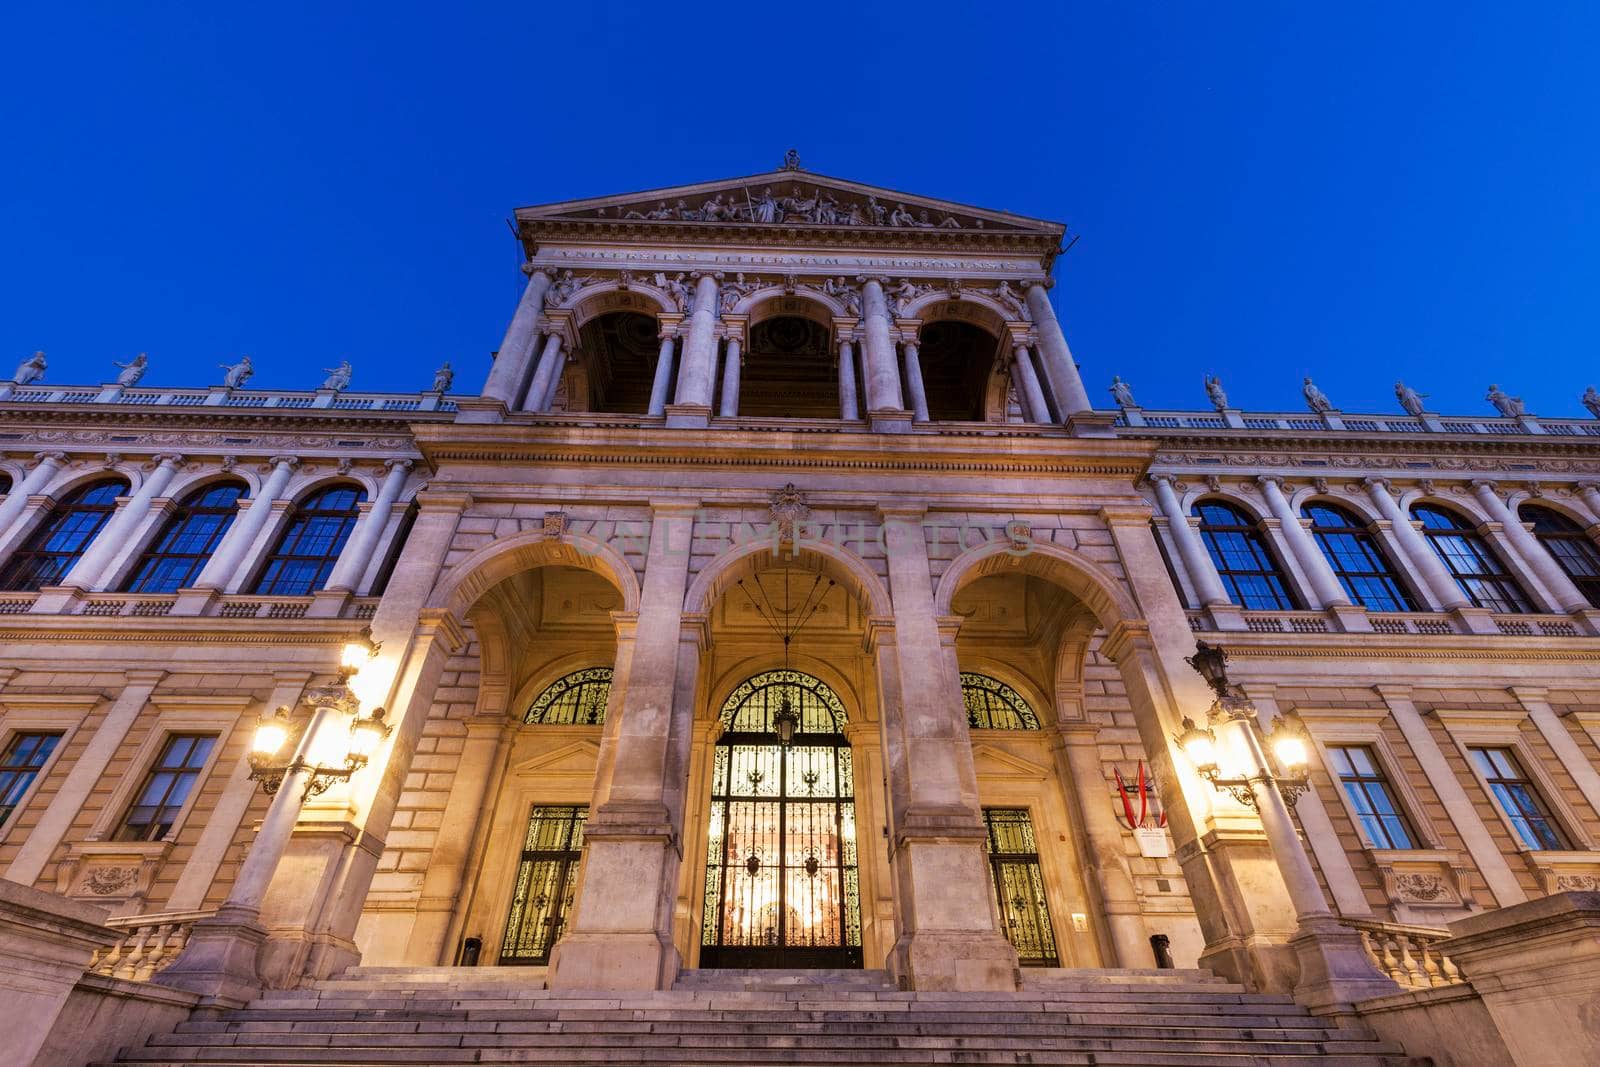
[782, 887]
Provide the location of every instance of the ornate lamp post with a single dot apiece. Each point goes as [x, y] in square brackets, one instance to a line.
[219, 960]
[1335, 970]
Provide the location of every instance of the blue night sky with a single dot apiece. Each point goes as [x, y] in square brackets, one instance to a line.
[1263, 190]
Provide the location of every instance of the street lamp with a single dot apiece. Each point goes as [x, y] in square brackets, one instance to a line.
[1289, 741]
[785, 720]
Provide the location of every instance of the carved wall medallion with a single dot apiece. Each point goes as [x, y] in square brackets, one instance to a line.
[789, 509]
[104, 881]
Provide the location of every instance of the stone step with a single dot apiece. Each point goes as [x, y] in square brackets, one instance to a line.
[390, 998]
[791, 1057]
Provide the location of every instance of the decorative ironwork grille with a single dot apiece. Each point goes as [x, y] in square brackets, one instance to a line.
[578, 699]
[1019, 886]
[994, 705]
[547, 879]
[782, 888]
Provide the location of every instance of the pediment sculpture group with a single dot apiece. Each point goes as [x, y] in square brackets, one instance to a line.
[1509, 407]
[899, 296]
[818, 206]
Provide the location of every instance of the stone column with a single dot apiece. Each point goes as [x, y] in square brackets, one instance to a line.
[509, 375]
[696, 375]
[1107, 861]
[731, 364]
[663, 379]
[621, 932]
[90, 572]
[550, 363]
[1324, 583]
[849, 409]
[882, 372]
[919, 396]
[948, 929]
[1568, 597]
[226, 563]
[45, 466]
[1032, 394]
[1196, 560]
[1060, 369]
[1590, 491]
[357, 554]
[1420, 554]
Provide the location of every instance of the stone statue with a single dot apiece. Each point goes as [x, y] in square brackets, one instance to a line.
[1011, 301]
[1591, 400]
[132, 370]
[1121, 393]
[338, 378]
[1316, 399]
[713, 210]
[1509, 406]
[949, 222]
[924, 221]
[875, 210]
[827, 209]
[904, 294]
[238, 373]
[562, 288]
[846, 295]
[765, 207]
[791, 159]
[1410, 399]
[679, 292]
[854, 215]
[30, 370]
[685, 212]
[901, 217]
[443, 378]
[730, 293]
[1219, 399]
[797, 206]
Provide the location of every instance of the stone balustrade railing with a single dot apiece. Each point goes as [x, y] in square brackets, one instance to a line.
[149, 943]
[1365, 424]
[1387, 622]
[1408, 954]
[149, 605]
[223, 397]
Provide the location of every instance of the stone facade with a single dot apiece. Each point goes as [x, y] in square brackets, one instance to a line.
[786, 383]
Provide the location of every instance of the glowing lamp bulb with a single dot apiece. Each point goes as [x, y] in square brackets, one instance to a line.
[1200, 746]
[1291, 751]
[270, 736]
[365, 735]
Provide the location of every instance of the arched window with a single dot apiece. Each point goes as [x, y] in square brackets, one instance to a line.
[64, 536]
[1474, 566]
[1573, 550]
[994, 705]
[310, 546]
[1360, 565]
[174, 561]
[749, 708]
[1244, 562]
[579, 699]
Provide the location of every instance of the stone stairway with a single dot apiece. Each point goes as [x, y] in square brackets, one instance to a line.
[383, 1017]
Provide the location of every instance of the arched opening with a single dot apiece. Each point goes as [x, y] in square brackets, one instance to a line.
[63, 537]
[1245, 562]
[789, 366]
[1569, 545]
[310, 544]
[1358, 561]
[1475, 566]
[616, 362]
[958, 360]
[178, 554]
[782, 874]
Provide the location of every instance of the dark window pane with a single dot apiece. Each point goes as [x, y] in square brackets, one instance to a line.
[166, 787]
[63, 536]
[310, 544]
[1470, 561]
[1357, 561]
[1244, 562]
[1517, 797]
[186, 543]
[1384, 824]
[1573, 550]
[19, 766]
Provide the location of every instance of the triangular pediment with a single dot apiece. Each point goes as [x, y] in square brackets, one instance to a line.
[789, 198]
[576, 758]
[992, 762]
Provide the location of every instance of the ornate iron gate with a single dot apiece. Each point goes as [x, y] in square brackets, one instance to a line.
[781, 878]
[547, 879]
[1019, 886]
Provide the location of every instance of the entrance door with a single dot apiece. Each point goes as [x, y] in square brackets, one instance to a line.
[1019, 886]
[547, 880]
[781, 881]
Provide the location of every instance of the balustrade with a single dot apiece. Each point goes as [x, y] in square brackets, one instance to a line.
[149, 943]
[1408, 954]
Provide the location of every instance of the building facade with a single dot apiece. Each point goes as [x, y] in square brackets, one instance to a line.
[783, 601]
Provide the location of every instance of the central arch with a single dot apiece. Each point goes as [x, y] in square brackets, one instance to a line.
[782, 882]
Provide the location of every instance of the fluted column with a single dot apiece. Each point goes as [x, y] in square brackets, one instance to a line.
[1196, 560]
[1032, 395]
[1059, 367]
[357, 553]
[550, 362]
[1416, 547]
[1560, 585]
[1324, 583]
[227, 560]
[512, 366]
[696, 375]
[731, 361]
[90, 570]
[849, 408]
[663, 378]
[45, 466]
[919, 396]
[882, 374]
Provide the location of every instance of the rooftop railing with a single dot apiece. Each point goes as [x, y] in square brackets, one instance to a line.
[1301, 421]
[223, 397]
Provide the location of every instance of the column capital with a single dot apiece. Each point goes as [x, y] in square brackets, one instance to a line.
[402, 464]
[1374, 482]
[441, 500]
[1125, 515]
[1159, 478]
[166, 459]
[281, 461]
[50, 457]
[1589, 487]
[1393, 693]
[1524, 693]
[1485, 483]
[1265, 480]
